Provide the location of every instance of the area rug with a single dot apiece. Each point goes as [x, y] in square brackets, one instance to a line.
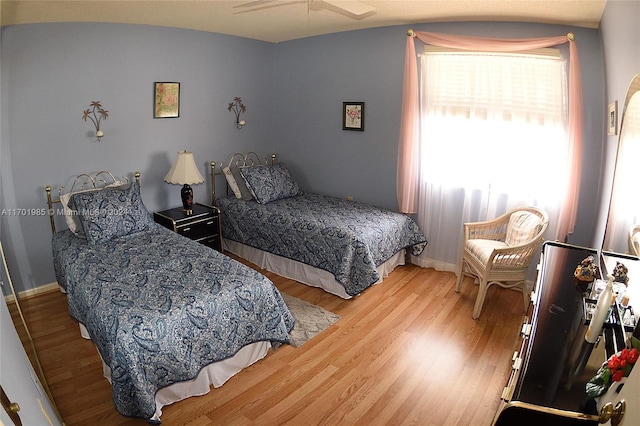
[310, 319]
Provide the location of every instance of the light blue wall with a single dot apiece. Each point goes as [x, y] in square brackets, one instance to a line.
[620, 34]
[294, 93]
[50, 74]
[314, 76]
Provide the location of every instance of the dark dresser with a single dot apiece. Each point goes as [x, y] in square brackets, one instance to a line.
[554, 361]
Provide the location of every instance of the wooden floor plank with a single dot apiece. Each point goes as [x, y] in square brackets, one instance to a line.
[404, 352]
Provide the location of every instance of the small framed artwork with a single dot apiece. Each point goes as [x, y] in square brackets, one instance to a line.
[353, 116]
[166, 100]
[612, 119]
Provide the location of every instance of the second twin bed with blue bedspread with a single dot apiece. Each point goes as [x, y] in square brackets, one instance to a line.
[341, 246]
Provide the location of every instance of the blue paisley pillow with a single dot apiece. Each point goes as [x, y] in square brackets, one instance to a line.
[270, 183]
[110, 213]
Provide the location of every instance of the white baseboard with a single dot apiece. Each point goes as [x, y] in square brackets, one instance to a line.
[47, 288]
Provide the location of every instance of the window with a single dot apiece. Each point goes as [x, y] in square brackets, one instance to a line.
[498, 118]
[493, 137]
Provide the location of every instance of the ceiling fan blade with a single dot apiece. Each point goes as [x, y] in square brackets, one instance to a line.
[259, 5]
[253, 3]
[354, 7]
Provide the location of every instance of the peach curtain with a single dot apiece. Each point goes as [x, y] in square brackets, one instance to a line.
[408, 150]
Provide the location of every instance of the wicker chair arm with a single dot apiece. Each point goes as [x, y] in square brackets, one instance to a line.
[514, 257]
[488, 230]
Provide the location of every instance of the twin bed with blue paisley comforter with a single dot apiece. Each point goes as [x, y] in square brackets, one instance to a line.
[341, 246]
[168, 315]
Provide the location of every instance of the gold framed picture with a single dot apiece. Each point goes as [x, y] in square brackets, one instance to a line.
[166, 100]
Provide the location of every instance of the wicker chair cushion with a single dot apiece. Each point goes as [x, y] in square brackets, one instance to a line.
[482, 249]
[522, 228]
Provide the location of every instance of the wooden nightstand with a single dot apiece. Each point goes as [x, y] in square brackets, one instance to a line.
[203, 225]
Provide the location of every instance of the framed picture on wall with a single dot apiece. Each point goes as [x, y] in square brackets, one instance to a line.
[353, 116]
[612, 119]
[166, 100]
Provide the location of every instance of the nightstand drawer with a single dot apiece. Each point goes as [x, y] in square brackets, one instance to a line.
[202, 224]
[215, 242]
[205, 228]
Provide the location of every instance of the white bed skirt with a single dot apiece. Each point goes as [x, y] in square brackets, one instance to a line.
[305, 274]
[215, 374]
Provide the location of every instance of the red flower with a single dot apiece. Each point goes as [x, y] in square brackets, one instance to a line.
[614, 363]
[618, 362]
[614, 369]
[617, 376]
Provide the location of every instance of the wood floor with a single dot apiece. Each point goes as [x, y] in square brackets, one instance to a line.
[404, 352]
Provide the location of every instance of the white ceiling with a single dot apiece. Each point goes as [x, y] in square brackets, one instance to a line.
[282, 20]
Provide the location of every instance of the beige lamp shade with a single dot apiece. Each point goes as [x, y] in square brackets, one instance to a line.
[184, 170]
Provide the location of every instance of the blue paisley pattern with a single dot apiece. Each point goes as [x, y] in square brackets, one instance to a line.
[270, 183]
[160, 307]
[111, 212]
[347, 238]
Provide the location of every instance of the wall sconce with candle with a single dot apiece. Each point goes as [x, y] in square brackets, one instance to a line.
[238, 107]
[96, 115]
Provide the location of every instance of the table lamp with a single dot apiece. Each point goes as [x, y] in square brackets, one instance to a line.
[184, 172]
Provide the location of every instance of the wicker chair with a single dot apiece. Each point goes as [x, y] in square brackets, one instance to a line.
[634, 240]
[499, 251]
